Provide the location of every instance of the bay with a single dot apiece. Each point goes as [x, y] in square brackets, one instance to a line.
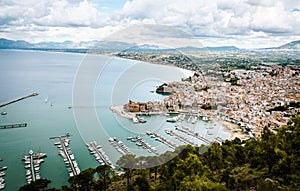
[55, 76]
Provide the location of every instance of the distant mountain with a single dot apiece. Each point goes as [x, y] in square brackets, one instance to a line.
[9, 44]
[223, 48]
[292, 45]
[213, 49]
[103, 46]
[97, 45]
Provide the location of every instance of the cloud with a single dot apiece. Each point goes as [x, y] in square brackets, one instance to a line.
[223, 20]
[50, 13]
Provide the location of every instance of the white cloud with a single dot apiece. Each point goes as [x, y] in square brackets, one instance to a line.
[50, 13]
[231, 21]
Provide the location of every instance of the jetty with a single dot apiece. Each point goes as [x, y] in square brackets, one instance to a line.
[192, 133]
[32, 165]
[99, 153]
[142, 143]
[119, 146]
[17, 125]
[67, 154]
[18, 99]
[161, 139]
[181, 138]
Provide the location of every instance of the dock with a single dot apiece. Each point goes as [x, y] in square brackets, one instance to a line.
[119, 146]
[161, 139]
[32, 165]
[67, 155]
[181, 138]
[192, 133]
[18, 99]
[140, 142]
[99, 154]
[17, 125]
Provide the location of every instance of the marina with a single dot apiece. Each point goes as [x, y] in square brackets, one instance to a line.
[119, 146]
[99, 153]
[32, 165]
[161, 139]
[142, 143]
[194, 134]
[181, 138]
[67, 155]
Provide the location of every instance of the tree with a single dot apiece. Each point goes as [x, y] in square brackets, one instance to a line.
[37, 185]
[83, 181]
[128, 163]
[103, 172]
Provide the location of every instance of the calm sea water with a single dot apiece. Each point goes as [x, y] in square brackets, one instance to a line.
[58, 77]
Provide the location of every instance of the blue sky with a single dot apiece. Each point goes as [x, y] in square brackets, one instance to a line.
[242, 23]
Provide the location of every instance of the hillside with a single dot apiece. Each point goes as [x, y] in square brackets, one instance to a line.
[292, 45]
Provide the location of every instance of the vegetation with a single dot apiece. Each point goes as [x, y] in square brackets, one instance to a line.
[271, 162]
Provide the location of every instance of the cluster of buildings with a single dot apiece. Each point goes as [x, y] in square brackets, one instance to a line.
[263, 96]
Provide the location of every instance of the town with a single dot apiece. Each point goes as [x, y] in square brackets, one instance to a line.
[262, 89]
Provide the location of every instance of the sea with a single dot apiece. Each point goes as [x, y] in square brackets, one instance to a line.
[76, 92]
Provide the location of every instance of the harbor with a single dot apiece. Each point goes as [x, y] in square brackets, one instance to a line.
[119, 146]
[142, 143]
[18, 99]
[99, 154]
[161, 139]
[32, 165]
[66, 153]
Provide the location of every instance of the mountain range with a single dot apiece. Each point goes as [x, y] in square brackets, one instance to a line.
[118, 46]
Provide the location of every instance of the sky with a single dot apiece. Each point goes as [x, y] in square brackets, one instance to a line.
[241, 23]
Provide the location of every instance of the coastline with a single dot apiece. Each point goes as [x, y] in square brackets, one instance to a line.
[119, 110]
[234, 129]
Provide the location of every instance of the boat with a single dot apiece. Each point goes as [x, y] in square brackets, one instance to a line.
[141, 120]
[4, 113]
[2, 174]
[173, 119]
[3, 168]
[204, 118]
[2, 186]
[129, 138]
[135, 120]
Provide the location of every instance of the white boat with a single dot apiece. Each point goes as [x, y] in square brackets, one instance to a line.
[4, 113]
[148, 132]
[173, 119]
[204, 118]
[135, 120]
[2, 186]
[3, 168]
